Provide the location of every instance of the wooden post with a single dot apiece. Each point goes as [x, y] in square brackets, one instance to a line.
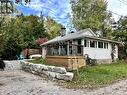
[88, 43]
[82, 43]
[97, 45]
[77, 65]
[68, 48]
[59, 49]
[43, 52]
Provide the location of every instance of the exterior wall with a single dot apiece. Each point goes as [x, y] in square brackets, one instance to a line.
[98, 53]
[69, 62]
[104, 61]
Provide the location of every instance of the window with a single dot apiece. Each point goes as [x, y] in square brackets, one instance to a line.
[79, 46]
[106, 45]
[85, 43]
[100, 44]
[93, 44]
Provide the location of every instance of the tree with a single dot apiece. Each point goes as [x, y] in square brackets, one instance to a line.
[52, 28]
[18, 33]
[20, 1]
[31, 27]
[121, 34]
[90, 14]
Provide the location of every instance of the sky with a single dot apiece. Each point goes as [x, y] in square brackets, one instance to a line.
[60, 10]
[117, 6]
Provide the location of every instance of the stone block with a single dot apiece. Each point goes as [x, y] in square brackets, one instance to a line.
[50, 68]
[51, 72]
[67, 77]
[60, 70]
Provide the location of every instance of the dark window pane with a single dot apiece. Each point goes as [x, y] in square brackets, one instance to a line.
[100, 44]
[93, 44]
[107, 45]
[85, 43]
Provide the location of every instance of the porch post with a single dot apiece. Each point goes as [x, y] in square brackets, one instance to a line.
[68, 48]
[43, 52]
[82, 43]
[59, 49]
[97, 44]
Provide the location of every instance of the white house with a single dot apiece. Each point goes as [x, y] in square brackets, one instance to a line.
[81, 43]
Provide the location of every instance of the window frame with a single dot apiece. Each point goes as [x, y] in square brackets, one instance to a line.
[100, 45]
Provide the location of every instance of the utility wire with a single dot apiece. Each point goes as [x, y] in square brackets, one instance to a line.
[125, 3]
[115, 13]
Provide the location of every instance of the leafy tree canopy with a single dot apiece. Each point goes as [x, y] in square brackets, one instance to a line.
[52, 28]
[18, 33]
[90, 14]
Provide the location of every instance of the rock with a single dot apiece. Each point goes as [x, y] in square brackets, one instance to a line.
[51, 72]
[67, 77]
[44, 67]
[60, 70]
[45, 73]
[12, 65]
[50, 68]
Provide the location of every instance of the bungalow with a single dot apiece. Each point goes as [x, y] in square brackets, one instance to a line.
[69, 50]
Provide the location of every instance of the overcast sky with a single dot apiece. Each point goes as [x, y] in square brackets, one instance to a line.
[59, 9]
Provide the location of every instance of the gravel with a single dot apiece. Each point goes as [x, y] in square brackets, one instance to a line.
[17, 82]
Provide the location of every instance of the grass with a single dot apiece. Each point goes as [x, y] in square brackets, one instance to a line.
[37, 61]
[98, 76]
[41, 61]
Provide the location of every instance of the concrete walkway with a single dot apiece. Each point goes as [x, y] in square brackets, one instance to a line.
[17, 82]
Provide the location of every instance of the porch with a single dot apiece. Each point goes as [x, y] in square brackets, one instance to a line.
[67, 54]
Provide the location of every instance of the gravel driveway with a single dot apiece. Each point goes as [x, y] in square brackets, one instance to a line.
[22, 83]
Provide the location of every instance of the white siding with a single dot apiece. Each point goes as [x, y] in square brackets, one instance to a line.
[116, 49]
[100, 53]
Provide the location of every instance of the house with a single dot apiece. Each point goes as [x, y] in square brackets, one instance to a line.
[68, 50]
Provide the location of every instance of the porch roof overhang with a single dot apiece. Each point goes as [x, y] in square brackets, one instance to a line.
[77, 35]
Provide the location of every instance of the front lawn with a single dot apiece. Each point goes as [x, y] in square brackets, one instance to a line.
[94, 76]
[98, 76]
[37, 61]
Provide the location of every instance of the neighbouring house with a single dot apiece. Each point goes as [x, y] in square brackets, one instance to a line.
[35, 52]
[68, 50]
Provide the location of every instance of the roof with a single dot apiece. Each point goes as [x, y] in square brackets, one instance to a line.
[86, 33]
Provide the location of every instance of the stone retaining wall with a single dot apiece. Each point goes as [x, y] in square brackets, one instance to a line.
[12, 65]
[52, 72]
